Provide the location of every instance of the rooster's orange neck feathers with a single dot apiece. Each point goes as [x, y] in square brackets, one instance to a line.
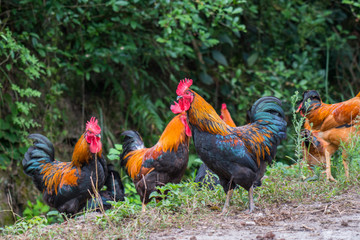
[82, 152]
[173, 135]
[203, 116]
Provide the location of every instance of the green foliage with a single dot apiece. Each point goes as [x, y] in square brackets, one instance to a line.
[298, 123]
[114, 153]
[92, 45]
[23, 225]
[352, 149]
[35, 209]
[193, 163]
[16, 116]
[354, 6]
[284, 185]
[120, 211]
[187, 195]
[41, 209]
[134, 52]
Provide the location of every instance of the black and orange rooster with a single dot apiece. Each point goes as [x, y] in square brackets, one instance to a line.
[330, 124]
[163, 163]
[238, 155]
[202, 175]
[67, 186]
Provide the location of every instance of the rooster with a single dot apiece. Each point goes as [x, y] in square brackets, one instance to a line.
[202, 175]
[163, 163]
[67, 186]
[330, 124]
[238, 155]
[203, 170]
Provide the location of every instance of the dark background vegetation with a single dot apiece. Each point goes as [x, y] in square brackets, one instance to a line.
[62, 62]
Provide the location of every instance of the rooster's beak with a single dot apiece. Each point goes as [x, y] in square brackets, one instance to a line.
[98, 135]
[179, 97]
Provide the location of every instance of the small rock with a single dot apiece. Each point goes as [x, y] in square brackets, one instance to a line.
[267, 236]
[193, 238]
[344, 224]
[250, 223]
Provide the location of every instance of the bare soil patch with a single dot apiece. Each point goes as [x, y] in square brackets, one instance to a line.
[337, 219]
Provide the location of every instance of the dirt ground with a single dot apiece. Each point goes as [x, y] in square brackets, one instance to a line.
[337, 219]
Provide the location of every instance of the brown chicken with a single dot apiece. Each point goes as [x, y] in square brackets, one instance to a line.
[312, 147]
[331, 124]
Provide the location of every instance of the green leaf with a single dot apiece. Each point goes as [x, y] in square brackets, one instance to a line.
[224, 38]
[4, 124]
[219, 57]
[237, 10]
[252, 59]
[206, 78]
[114, 151]
[53, 213]
[238, 73]
[119, 147]
[122, 3]
[133, 25]
[113, 157]
[161, 40]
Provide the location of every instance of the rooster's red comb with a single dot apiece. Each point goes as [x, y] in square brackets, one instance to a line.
[183, 86]
[93, 126]
[223, 106]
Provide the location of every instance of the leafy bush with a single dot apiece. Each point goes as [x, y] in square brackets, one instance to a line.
[24, 225]
[16, 116]
[41, 209]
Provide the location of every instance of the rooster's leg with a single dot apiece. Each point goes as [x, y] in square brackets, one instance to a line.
[329, 177]
[344, 157]
[143, 207]
[251, 199]
[227, 201]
